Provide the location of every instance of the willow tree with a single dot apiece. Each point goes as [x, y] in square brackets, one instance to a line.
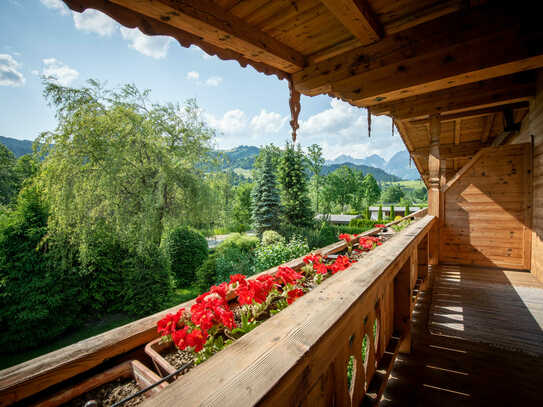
[118, 161]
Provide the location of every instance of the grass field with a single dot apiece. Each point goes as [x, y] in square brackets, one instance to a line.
[89, 329]
[409, 184]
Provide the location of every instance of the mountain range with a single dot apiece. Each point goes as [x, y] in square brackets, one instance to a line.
[397, 165]
[243, 157]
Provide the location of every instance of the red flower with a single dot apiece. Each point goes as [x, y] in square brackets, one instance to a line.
[292, 295]
[196, 339]
[341, 263]
[286, 275]
[267, 280]
[379, 225]
[210, 311]
[238, 278]
[346, 237]
[168, 324]
[321, 269]
[256, 290]
[312, 258]
[179, 338]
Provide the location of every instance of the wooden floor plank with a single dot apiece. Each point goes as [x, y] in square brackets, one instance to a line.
[452, 371]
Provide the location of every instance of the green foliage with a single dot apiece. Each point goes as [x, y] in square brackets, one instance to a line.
[149, 284]
[392, 212]
[316, 162]
[341, 186]
[296, 204]
[39, 295]
[352, 230]
[206, 275]
[243, 242]
[265, 197]
[367, 213]
[327, 235]
[271, 237]
[233, 260]
[242, 209]
[8, 176]
[186, 250]
[371, 190]
[362, 223]
[380, 214]
[117, 156]
[278, 253]
[392, 194]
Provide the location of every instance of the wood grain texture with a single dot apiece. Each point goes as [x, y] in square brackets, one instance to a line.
[486, 222]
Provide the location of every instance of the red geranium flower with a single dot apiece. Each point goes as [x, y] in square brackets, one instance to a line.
[346, 237]
[286, 275]
[179, 338]
[197, 339]
[379, 225]
[321, 269]
[168, 324]
[292, 295]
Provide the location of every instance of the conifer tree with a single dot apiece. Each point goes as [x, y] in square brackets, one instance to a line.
[293, 179]
[265, 197]
[380, 214]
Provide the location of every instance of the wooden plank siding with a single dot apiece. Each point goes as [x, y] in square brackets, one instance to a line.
[485, 215]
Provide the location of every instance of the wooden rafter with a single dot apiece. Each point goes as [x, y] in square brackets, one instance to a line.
[358, 18]
[452, 151]
[218, 27]
[493, 92]
[488, 127]
[426, 58]
[149, 26]
[470, 114]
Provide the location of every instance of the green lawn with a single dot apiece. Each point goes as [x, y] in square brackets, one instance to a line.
[87, 330]
[409, 184]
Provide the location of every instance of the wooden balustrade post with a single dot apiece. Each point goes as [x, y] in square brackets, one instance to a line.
[423, 262]
[402, 306]
[434, 191]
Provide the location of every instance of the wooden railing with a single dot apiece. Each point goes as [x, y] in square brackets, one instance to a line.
[293, 335]
[300, 356]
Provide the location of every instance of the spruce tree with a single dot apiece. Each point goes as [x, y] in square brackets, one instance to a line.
[293, 179]
[265, 197]
[380, 214]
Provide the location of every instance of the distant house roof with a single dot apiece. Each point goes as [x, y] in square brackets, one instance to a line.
[339, 219]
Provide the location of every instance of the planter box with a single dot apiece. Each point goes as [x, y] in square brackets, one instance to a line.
[154, 350]
[141, 374]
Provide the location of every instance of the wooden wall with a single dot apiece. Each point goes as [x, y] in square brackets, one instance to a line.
[532, 129]
[487, 213]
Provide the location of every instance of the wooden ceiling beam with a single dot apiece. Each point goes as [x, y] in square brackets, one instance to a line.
[487, 42]
[218, 27]
[358, 18]
[452, 151]
[493, 92]
[473, 113]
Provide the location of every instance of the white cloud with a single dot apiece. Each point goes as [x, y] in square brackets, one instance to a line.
[151, 46]
[95, 22]
[232, 122]
[193, 75]
[35, 72]
[62, 73]
[268, 122]
[9, 73]
[214, 81]
[56, 5]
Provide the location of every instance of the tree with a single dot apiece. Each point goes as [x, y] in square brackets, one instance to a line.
[296, 204]
[316, 162]
[340, 186]
[392, 212]
[116, 157]
[371, 189]
[265, 197]
[242, 208]
[8, 175]
[380, 213]
[393, 194]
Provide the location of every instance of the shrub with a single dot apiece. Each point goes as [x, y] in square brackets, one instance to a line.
[361, 223]
[367, 213]
[271, 237]
[149, 282]
[206, 275]
[273, 255]
[233, 260]
[40, 286]
[380, 214]
[244, 242]
[186, 250]
[392, 212]
[327, 235]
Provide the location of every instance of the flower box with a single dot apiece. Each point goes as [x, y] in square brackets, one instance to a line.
[133, 369]
[154, 350]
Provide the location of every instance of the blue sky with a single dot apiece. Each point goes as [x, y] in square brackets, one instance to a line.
[43, 37]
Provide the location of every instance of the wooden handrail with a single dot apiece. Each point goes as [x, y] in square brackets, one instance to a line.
[302, 352]
[418, 214]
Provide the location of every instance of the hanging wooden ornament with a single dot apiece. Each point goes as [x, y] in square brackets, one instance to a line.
[369, 121]
[294, 103]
